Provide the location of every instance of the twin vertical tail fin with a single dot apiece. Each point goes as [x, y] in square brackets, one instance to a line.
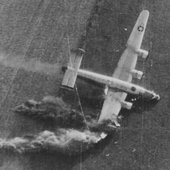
[72, 68]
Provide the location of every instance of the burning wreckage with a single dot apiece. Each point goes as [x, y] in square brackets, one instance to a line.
[74, 134]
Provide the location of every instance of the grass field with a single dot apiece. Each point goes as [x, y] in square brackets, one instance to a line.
[46, 30]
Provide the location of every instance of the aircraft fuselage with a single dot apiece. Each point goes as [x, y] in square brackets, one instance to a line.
[118, 84]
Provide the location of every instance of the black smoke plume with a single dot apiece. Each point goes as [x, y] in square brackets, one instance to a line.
[52, 108]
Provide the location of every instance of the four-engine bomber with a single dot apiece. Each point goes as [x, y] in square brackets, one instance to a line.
[119, 85]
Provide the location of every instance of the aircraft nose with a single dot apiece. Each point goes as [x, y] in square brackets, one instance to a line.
[150, 95]
[156, 97]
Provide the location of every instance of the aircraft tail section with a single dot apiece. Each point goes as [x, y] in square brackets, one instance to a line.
[72, 69]
[138, 31]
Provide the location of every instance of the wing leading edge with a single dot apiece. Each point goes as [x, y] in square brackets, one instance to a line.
[128, 59]
[112, 104]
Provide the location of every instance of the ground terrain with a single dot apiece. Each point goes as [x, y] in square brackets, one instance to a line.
[46, 30]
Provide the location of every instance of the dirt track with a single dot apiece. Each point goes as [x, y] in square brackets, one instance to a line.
[46, 30]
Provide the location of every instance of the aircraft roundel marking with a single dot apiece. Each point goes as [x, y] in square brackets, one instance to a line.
[140, 28]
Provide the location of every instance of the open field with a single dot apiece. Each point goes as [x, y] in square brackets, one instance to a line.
[45, 31]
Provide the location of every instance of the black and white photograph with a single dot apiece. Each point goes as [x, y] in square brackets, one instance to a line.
[84, 85]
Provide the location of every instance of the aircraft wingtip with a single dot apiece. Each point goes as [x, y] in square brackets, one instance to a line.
[146, 12]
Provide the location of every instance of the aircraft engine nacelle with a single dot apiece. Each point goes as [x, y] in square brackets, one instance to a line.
[137, 74]
[126, 105]
[142, 53]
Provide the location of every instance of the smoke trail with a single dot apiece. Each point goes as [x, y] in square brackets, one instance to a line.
[65, 141]
[32, 65]
[52, 108]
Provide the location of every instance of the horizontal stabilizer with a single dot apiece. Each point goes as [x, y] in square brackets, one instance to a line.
[73, 66]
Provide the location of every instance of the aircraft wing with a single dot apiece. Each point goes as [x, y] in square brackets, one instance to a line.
[128, 60]
[113, 101]
[112, 106]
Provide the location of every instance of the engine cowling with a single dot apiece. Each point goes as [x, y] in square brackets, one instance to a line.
[126, 105]
[137, 74]
[142, 53]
